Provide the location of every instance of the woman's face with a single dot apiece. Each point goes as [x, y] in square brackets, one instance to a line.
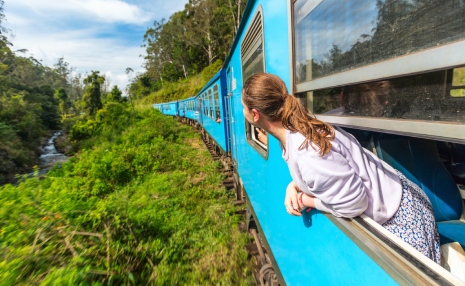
[247, 112]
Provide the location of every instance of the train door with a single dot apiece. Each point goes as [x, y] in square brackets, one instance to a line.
[231, 84]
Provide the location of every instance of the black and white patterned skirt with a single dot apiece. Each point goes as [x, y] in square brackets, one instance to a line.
[414, 221]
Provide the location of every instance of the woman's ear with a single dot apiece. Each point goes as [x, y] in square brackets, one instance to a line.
[256, 115]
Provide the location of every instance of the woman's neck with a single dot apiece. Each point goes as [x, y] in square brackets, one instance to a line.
[277, 130]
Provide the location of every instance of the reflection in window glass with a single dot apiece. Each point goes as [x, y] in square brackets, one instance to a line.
[337, 35]
[420, 97]
[458, 82]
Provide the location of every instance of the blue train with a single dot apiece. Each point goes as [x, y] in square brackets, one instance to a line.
[392, 73]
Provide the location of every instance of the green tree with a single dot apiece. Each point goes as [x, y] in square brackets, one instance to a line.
[115, 95]
[62, 97]
[93, 92]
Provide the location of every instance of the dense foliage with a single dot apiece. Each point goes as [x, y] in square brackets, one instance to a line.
[142, 204]
[32, 99]
[187, 43]
[36, 99]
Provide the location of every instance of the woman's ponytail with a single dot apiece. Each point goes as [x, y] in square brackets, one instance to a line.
[295, 117]
[268, 94]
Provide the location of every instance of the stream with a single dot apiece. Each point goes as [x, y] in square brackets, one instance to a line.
[50, 156]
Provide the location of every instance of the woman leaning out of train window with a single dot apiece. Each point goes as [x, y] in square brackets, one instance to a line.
[333, 173]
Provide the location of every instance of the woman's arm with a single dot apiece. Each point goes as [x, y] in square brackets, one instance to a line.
[306, 201]
[336, 186]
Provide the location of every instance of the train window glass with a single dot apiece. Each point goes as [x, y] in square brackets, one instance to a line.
[337, 35]
[458, 82]
[210, 98]
[253, 61]
[419, 97]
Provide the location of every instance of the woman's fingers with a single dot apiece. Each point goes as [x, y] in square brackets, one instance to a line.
[292, 206]
[290, 201]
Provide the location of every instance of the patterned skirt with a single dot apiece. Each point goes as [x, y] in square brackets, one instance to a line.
[414, 221]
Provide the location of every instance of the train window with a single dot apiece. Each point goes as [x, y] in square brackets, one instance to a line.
[217, 104]
[253, 61]
[332, 36]
[210, 99]
[458, 82]
[434, 96]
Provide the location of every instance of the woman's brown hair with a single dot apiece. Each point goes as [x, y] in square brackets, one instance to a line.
[268, 94]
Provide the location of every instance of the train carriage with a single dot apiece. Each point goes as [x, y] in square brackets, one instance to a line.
[186, 108]
[392, 73]
[169, 108]
[211, 110]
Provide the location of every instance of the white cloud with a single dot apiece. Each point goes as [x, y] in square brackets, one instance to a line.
[109, 56]
[97, 10]
[100, 35]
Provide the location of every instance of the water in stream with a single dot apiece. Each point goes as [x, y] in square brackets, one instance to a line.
[50, 156]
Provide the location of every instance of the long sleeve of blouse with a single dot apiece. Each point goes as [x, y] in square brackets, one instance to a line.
[335, 185]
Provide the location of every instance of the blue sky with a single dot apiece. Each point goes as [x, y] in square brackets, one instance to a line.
[103, 35]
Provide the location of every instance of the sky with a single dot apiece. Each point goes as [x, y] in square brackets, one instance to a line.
[91, 35]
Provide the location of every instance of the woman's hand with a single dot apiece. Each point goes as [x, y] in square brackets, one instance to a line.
[291, 201]
[262, 135]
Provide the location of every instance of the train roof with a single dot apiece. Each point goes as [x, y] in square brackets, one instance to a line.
[187, 99]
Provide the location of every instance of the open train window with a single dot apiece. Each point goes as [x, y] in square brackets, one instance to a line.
[253, 61]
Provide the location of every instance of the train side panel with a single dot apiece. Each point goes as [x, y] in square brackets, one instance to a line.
[170, 108]
[309, 249]
[187, 108]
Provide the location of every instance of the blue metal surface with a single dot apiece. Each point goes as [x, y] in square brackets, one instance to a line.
[169, 108]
